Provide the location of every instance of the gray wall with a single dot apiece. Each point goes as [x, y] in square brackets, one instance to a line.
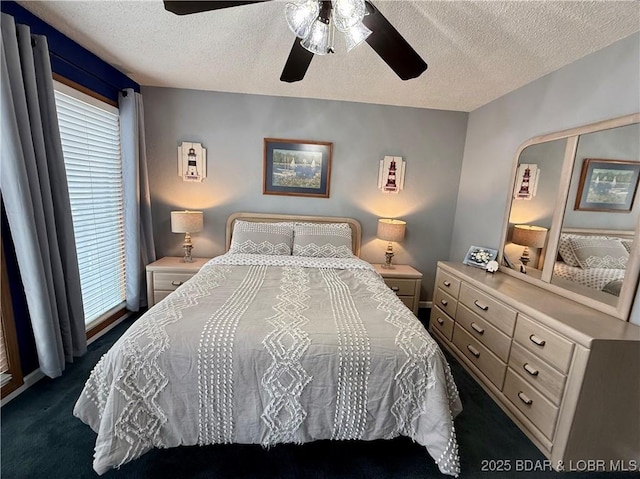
[232, 128]
[600, 86]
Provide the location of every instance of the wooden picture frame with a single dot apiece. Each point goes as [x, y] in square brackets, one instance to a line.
[607, 185]
[297, 167]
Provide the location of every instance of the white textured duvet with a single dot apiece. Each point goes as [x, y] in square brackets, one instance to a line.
[267, 350]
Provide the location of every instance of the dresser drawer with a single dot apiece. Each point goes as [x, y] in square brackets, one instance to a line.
[408, 301]
[536, 372]
[485, 360]
[445, 302]
[498, 314]
[169, 281]
[441, 322]
[539, 410]
[402, 287]
[484, 332]
[448, 283]
[544, 343]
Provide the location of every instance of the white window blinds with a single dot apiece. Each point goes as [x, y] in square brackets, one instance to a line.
[90, 133]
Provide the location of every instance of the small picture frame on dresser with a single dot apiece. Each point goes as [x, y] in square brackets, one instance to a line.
[479, 256]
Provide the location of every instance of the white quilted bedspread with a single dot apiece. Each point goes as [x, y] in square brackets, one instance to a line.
[267, 350]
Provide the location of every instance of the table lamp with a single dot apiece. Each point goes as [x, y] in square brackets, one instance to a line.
[390, 230]
[530, 237]
[187, 222]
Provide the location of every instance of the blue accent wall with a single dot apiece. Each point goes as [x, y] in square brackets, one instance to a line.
[70, 59]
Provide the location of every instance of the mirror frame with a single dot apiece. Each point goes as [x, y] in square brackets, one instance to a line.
[622, 309]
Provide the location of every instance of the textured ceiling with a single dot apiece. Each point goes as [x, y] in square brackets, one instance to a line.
[476, 50]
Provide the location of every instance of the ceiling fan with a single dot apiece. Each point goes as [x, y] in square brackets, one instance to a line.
[372, 27]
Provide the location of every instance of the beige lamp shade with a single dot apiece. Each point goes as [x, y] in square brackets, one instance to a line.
[531, 236]
[186, 221]
[391, 230]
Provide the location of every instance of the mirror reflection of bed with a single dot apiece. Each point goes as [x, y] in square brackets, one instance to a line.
[592, 262]
[548, 178]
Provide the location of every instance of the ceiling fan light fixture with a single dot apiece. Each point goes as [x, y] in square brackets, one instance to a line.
[355, 35]
[347, 13]
[300, 16]
[317, 42]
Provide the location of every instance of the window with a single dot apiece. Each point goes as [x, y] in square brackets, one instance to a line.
[90, 133]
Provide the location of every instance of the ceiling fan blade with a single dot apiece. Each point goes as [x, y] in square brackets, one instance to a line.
[391, 46]
[297, 63]
[187, 7]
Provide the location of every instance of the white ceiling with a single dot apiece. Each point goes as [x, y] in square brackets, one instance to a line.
[476, 50]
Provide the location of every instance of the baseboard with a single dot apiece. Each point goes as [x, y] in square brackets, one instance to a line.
[29, 380]
[425, 304]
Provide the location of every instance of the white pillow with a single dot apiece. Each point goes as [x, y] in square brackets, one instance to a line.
[322, 240]
[261, 238]
[566, 251]
[599, 253]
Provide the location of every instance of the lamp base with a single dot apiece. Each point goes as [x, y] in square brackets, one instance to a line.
[187, 246]
[388, 256]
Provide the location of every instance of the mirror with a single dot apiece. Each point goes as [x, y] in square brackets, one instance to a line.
[573, 214]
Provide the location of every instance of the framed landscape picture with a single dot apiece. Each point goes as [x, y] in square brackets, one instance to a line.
[297, 167]
[607, 185]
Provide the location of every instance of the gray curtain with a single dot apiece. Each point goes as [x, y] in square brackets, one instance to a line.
[138, 228]
[36, 199]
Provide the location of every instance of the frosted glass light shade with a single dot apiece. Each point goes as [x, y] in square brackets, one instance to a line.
[186, 221]
[355, 35]
[300, 16]
[317, 41]
[391, 230]
[347, 13]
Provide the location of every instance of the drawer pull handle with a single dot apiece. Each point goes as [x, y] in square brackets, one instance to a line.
[447, 284]
[525, 399]
[530, 369]
[395, 288]
[473, 351]
[477, 328]
[176, 283]
[480, 305]
[440, 321]
[444, 302]
[536, 340]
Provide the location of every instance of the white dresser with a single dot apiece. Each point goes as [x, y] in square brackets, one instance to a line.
[567, 375]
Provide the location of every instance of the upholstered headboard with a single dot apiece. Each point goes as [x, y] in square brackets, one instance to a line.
[622, 234]
[356, 229]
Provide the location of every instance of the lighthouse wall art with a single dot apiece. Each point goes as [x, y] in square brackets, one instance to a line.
[391, 174]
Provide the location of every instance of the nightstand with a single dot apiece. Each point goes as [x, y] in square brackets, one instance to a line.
[405, 281]
[166, 274]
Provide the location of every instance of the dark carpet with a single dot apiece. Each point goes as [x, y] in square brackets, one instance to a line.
[42, 439]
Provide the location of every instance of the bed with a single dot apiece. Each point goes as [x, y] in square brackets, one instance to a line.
[269, 345]
[594, 259]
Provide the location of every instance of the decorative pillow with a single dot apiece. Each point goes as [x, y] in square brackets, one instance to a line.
[564, 247]
[599, 253]
[322, 240]
[261, 238]
[627, 244]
